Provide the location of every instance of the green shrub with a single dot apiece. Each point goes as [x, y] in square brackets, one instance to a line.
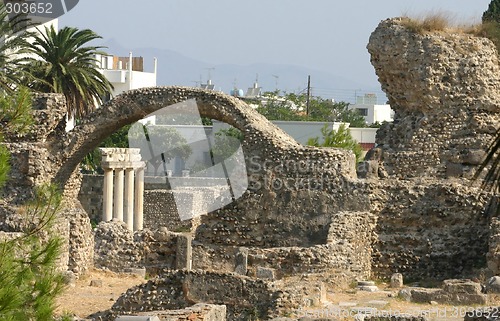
[340, 138]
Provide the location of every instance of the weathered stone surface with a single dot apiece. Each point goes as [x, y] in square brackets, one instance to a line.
[424, 228]
[241, 261]
[444, 89]
[395, 317]
[459, 292]
[493, 255]
[96, 283]
[461, 287]
[396, 280]
[241, 295]
[197, 312]
[115, 247]
[264, 273]
[493, 285]
[347, 249]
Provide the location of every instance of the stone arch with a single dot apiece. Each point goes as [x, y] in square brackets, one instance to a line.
[136, 104]
[291, 188]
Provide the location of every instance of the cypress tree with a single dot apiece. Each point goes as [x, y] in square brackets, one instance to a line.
[493, 12]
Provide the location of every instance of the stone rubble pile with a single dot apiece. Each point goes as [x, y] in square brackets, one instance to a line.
[115, 247]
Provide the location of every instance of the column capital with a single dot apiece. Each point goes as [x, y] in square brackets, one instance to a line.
[123, 164]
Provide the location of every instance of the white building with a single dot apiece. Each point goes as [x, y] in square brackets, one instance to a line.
[372, 112]
[126, 73]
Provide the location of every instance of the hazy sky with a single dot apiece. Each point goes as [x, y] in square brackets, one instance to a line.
[329, 35]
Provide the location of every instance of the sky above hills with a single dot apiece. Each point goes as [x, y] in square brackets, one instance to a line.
[329, 36]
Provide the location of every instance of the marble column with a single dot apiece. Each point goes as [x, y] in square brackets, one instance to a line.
[129, 198]
[107, 200]
[139, 199]
[118, 208]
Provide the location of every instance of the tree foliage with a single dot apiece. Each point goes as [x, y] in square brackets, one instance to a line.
[15, 119]
[168, 140]
[63, 62]
[29, 281]
[340, 138]
[15, 115]
[164, 138]
[293, 107]
[490, 27]
[12, 41]
[226, 142]
[91, 163]
[493, 12]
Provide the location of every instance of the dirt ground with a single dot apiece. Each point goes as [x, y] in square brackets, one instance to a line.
[82, 299]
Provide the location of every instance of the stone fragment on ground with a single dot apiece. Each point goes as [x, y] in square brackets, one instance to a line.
[493, 285]
[368, 286]
[454, 291]
[397, 280]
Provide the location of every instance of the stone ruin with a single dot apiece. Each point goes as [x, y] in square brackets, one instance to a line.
[433, 221]
[415, 211]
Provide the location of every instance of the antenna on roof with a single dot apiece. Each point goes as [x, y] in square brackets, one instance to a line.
[276, 77]
[209, 81]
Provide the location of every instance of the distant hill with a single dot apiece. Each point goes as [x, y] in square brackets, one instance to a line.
[177, 69]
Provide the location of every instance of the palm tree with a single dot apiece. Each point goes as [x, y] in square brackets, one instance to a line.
[11, 43]
[62, 62]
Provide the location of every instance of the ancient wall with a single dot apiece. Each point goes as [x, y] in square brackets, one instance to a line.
[314, 184]
[347, 249]
[430, 230]
[245, 298]
[33, 164]
[301, 223]
[197, 312]
[118, 249]
[444, 86]
[294, 208]
[90, 196]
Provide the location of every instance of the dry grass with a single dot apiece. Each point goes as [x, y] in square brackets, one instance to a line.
[438, 21]
[490, 30]
[433, 22]
[445, 22]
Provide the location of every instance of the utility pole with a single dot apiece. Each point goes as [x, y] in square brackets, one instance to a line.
[308, 94]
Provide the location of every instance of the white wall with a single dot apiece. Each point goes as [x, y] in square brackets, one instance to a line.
[121, 80]
[301, 131]
[382, 113]
[364, 135]
[376, 113]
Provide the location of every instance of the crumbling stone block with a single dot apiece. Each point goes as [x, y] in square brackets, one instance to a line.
[459, 292]
[493, 285]
[265, 273]
[184, 254]
[396, 280]
[241, 261]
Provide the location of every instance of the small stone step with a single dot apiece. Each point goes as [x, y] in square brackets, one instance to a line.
[368, 288]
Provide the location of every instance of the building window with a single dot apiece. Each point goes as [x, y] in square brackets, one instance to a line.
[362, 111]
